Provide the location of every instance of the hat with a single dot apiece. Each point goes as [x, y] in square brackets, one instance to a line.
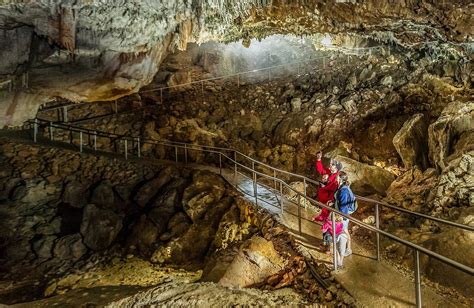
[336, 163]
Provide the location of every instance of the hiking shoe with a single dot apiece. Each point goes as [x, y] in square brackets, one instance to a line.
[348, 252]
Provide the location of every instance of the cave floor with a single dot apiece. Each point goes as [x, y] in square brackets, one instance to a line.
[371, 283]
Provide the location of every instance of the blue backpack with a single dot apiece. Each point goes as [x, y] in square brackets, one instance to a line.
[345, 200]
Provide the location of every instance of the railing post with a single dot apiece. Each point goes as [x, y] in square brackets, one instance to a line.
[220, 163]
[235, 163]
[274, 179]
[377, 225]
[254, 183]
[324, 62]
[269, 78]
[65, 114]
[238, 80]
[185, 154]
[161, 96]
[417, 278]
[299, 213]
[51, 130]
[35, 130]
[80, 141]
[281, 197]
[176, 153]
[334, 240]
[202, 90]
[125, 145]
[138, 147]
[304, 187]
[95, 141]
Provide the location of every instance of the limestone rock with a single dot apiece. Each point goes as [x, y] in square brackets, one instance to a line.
[455, 120]
[366, 179]
[411, 142]
[257, 260]
[99, 227]
[147, 191]
[70, 247]
[75, 194]
[43, 247]
[207, 189]
[143, 235]
[103, 195]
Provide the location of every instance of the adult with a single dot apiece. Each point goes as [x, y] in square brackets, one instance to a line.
[345, 202]
[326, 190]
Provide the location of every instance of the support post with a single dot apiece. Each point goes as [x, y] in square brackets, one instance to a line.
[125, 145]
[377, 225]
[95, 141]
[238, 80]
[299, 213]
[176, 153]
[274, 179]
[304, 186]
[51, 130]
[185, 154]
[35, 130]
[235, 163]
[138, 147]
[281, 197]
[161, 96]
[269, 77]
[254, 183]
[334, 244]
[324, 62]
[80, 141]
[65, 114]
[220, 163]
[417, 278]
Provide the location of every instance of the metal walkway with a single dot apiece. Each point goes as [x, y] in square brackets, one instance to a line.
[263, 184]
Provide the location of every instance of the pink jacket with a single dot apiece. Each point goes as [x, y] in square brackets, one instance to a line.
[327, 227]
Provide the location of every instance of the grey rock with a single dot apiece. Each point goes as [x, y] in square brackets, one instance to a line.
[70, 247]
[411, 142]
[99, 227]
[103, 195]
[75, 194]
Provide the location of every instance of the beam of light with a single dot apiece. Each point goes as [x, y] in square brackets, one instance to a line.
[326, 41]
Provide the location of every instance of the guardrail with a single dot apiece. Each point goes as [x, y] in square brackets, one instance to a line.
[233, 158]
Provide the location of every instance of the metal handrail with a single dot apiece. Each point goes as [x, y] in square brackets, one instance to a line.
[191, 146]
[416, 248]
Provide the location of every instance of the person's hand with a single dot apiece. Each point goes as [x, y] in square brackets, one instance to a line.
[319, 155]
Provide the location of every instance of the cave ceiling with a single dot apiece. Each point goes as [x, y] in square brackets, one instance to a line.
[102, 49]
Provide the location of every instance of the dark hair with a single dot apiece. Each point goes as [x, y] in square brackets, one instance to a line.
[344, 178]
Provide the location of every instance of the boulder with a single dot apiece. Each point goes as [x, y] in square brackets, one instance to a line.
[366, 179]
[411, 142]
[75, 194]
[70, 247]
[207, 189]
[143, 235]
[458, 243]
[99, 227]
[43, 247]
[455, 120]
[257, 260]
[103, 195]
[148, 190]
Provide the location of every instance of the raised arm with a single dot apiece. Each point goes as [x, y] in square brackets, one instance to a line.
[319, 165]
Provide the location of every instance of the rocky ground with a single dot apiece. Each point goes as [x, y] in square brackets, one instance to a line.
[78, 225]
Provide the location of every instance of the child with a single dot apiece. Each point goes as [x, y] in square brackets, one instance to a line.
[327, 233]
